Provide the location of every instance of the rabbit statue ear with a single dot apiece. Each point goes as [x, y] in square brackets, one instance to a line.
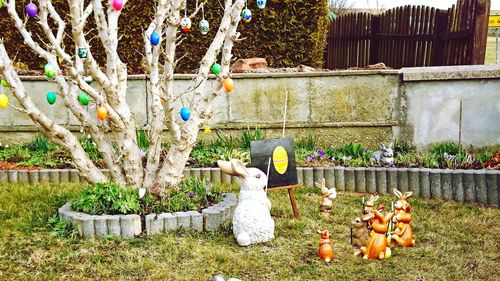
[368, 217]
[225, 167]
[382, 146]
[374, 198]
[408, 194]
[391, 144]
[398, 193]
[239, 169]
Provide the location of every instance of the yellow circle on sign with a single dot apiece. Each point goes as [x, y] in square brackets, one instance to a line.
[280, 160]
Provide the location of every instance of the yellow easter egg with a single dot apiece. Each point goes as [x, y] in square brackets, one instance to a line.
[208, 130]
[4, 100]
[280, 160]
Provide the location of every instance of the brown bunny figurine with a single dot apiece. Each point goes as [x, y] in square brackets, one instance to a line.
[360, 233]
[402, 217]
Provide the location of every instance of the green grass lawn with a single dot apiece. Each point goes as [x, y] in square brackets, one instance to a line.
[490, 50]
[454, 242]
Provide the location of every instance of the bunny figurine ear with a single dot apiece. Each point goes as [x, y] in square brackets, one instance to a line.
[239, 169]
[408, 194]
[398, 194]
[382, 146]
[368, 217]
[225, 167]
[391, 144]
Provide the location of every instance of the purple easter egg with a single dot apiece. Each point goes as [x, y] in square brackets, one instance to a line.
[31, 10]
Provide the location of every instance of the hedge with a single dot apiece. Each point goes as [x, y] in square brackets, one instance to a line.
[287, 33]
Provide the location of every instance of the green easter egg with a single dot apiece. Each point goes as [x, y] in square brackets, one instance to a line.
[215, 68]
[83, 99]
[51, 97]
[4, 83]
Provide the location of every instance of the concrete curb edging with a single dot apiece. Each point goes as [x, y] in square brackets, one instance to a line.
[128, 226]
[469, 186]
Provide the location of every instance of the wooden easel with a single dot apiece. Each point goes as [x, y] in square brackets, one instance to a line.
[292, 197]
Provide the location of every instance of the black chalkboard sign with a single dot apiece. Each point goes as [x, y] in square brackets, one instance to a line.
[283, 170]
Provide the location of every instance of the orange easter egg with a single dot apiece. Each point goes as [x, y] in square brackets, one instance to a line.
[228, 84]
[102, 113]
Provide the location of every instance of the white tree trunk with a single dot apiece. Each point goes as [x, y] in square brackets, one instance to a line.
[116, 138]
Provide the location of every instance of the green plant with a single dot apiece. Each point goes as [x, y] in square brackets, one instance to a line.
[484, 157]
[40, 143]
[142, 139]
[107, 198]
[308, 143]
[249, 136]
[401, 147]
[61, 228]
[90, 148]
[430, 160]
[447, 147]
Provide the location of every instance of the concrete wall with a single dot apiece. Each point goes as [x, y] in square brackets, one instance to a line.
[419, 105]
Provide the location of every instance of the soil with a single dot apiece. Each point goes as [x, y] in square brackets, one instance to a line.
[13, 166]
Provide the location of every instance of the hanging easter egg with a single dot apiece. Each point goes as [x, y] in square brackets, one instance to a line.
[4, 83]
[261, 4]
[1, 4]
[186, 24]
[204, 26]
[185, 113]
[102, 113]
[83, 99]
[51, 97]
[83, 52]
[118, 4]
[4, 100]
[246, 15]
[228, 84]
[88, 79]
[154, 38]
[49, 70]
[215, 68]
[208, 130]
[31, 10]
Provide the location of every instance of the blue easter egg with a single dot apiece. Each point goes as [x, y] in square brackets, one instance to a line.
[185, 113]
[154, 38]
[261, 4]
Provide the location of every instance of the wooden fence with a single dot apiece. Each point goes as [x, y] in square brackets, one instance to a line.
[411, 36]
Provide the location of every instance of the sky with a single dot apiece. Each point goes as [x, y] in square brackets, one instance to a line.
[442, 4]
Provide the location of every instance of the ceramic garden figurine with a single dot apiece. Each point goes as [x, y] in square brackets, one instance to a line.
[369, 205]
[252, 221]
[328, 196]
[402, 217]
[360, 232]
[378, 246]
[384, 157]
[325, 251]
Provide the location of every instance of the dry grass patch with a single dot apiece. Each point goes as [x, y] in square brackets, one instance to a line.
[454, 242]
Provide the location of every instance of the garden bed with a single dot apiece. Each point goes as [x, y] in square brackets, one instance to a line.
[128, 226]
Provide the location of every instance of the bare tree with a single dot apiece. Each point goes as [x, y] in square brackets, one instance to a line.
[340, 7]
[115, 138]
[377, 5]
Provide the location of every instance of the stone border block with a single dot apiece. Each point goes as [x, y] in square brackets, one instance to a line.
[318, 174]
[360, 179]
[196, 220]
[371, 181]
[215, 175]
[183, 220]
[308, 173]
[329, 174]
[381, 178]
[414, 181]
[339, 178]
[154, 224]
[300, 176]
[43, 176]
[101, 226]
[13, 176]
[349, 179]
[212, 218]
[169, 221]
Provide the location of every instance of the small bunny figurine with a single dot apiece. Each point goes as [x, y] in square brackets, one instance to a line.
[328, 196]
[385, 156]
[252, 222]
[325, 251]
[402, 217]
[360, 233]
[369, 205]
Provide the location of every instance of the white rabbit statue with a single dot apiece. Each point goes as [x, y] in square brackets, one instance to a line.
[252, 222]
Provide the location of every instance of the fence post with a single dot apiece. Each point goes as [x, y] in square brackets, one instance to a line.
[375, 41]
[438, 44]
[480, 36]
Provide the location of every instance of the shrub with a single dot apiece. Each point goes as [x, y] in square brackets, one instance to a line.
[61, 228]
[107, 198]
